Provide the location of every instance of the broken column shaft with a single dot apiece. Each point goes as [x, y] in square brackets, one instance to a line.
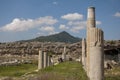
[40, 60]
[94, 48]
[84, 53]
[96, 56]
[64, 53]
[90, 24]
[49, 61]
[45, 59]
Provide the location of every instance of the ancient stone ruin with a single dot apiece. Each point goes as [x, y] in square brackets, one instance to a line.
[92, 49]
[83, 53]
[40, 60]
[43, 60]
[64, 54]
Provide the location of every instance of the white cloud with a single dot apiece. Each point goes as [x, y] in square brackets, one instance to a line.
[98, 22]
[55, 3]
[48, 20]
[81, 23]
[77, 23]
[26, 24]
[72, 16]
[76, 29]
[76, 26]
[117, 14]
[47, 28]
[74, 23]
[41, 34]
[18, 25]
[63, 27]
[51, 33]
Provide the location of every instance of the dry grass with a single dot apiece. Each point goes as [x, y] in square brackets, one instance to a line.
[62, 71]
[113, 74]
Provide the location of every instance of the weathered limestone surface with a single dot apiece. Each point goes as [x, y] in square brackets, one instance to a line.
[45, 59]
[64, 54]
[94, 48]
[91, 17]
[40, 60]
[96, 56]
[84, 53]
[90, 24]
[49, 61]
[32, 48]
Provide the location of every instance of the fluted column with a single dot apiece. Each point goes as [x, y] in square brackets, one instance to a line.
[49, 60]
[96, 56]
[45, 59]
[91, 23]
[84, 53]
[64, 54]
[40, 60]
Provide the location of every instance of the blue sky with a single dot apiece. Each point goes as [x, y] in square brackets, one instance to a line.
[27, 19]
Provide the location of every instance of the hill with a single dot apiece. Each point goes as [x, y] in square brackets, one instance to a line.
[60, 37]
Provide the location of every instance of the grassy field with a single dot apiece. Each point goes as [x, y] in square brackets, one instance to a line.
[63, 71]
[16, 71]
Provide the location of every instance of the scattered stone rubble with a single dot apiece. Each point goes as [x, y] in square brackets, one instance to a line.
[15, 53]
[10, 60]
[32, 48]
[25, 52]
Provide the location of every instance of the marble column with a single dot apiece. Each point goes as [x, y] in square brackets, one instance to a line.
[96, 55]
[84, 53]
[45, 59]
[40, 60]
[64, 53]
[94, 48]
[49, 61]
[91, 23]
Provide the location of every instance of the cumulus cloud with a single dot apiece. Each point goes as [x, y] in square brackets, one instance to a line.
[76, 29]
[55, 3]
[76, 26]
[49, 20]
[26, 24]
[18, 25]
[72, 16]
[77, 23]
[41, 34]
[98, 22]
[47, 28]
[46, 24]
[117, 14]
[63, 27]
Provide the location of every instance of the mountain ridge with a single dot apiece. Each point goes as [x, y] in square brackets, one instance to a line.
[59, 37]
